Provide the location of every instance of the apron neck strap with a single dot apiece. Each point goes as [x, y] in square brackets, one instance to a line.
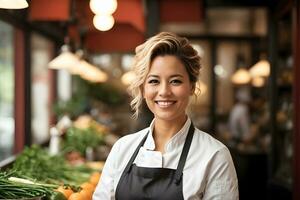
[183, 156]
[184, 153]
[128, 167]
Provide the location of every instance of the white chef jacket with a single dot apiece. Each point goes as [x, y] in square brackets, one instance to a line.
[208, 174]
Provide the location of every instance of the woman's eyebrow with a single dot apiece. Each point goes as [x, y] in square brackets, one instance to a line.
[176, 75]
[152, 76]
[172, 76]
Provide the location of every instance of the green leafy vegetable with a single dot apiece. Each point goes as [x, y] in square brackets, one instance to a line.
[14, 188]
[36, 164]
[79, 139]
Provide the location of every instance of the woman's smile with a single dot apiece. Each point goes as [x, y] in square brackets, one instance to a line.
[165, 103]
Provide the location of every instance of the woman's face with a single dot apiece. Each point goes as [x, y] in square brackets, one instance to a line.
[167, 88]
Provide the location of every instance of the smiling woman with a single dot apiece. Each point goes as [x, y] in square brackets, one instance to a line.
[161, 45]
[167, 89]
[170, 159]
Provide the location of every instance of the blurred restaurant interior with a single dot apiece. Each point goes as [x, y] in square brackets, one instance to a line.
[62, 65]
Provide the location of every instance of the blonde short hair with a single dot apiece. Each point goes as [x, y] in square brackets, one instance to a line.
[164, 43]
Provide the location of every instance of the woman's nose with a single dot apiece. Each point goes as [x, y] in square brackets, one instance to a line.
[164, 89]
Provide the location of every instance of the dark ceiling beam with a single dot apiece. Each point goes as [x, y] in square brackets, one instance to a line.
[55, 31]
[152, 17]
[18, 18]
[237, 3]
[224, 37]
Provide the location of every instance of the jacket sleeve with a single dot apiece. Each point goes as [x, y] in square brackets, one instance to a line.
[105, 187]
[221, 182]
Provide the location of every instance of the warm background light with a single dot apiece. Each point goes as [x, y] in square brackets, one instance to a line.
[103, 7]
[202, 87]
[262, 68]
[241, 76]
[92, 73]
[76, 66]
[103, 22]
[65, 60]
[258, 81]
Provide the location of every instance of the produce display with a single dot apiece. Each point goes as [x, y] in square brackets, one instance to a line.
[85, 132]
[35, 162]
[35, 173]
[15, 188]
[79, 140]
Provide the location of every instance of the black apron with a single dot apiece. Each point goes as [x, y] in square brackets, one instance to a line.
[140, 183]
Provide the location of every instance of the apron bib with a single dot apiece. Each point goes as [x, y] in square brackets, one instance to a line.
[140, 183]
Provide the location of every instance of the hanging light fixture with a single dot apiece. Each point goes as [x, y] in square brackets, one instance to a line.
[92, 73]
[103, 7]
[13, 4]
[65, 60]
[241, 76]
[261, 68]
[77, 68]
[103, 22]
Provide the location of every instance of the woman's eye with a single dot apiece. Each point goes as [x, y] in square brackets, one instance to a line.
[153, 81]
[176, 81]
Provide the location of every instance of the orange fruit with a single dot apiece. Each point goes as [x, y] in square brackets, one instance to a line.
[95, 177]
[86, 194]
[76, 196]
[87, 186]
[65, 191]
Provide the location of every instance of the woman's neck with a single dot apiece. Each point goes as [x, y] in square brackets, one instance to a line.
[164, 130]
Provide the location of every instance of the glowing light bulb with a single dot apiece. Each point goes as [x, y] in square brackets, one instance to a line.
[103, 7]
[103, 22]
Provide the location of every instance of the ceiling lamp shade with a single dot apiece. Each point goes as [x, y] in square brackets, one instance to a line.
[13, 4]
[103, 22]
[66, 59]
[261, 68]
[103, 7]
[77, 69]
[92, 73]
[241, 76]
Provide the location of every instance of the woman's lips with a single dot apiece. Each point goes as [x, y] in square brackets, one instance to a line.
[165, 104]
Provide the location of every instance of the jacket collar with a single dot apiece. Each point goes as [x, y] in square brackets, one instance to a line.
[175, 142]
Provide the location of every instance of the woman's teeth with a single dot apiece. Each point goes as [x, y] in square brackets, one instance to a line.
[165, 104]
